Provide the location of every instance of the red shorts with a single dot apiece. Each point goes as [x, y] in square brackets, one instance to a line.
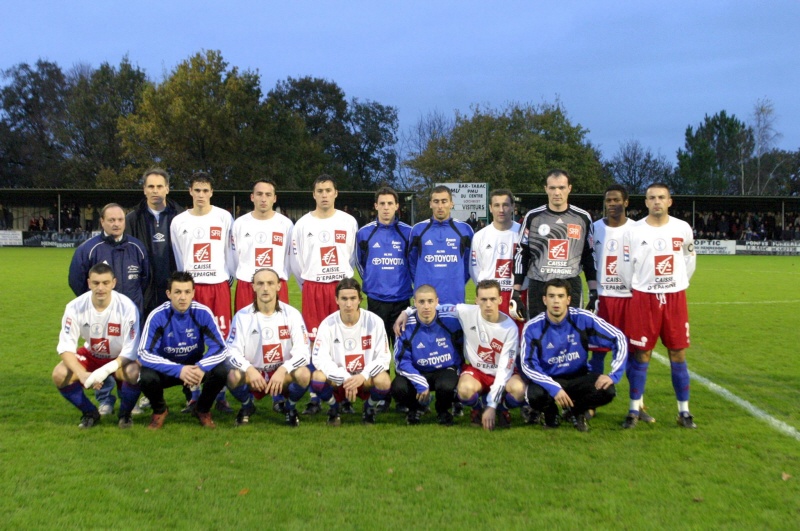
[245, 294]
[89, 361]
[486, 380]
[612, 310]
[258, 395]
[218, 298]
[339, 393]
[654, 315]
[319, 301]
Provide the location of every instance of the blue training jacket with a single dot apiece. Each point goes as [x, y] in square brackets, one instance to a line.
[423, 348]
[552, 350]
[440, 256]
[382, 252]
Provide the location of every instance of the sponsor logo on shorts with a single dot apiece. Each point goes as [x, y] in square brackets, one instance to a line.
[114, 329]
[354, 363]
[272, 353]
[573, 231]
[329, 256]
[202, 253]
[557, 249]
[263, 256]
[340, 236]
[216, 233]
[663, 265]
[502, 268]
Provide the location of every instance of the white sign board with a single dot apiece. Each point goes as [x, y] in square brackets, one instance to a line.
[715, 246]
[468, 198]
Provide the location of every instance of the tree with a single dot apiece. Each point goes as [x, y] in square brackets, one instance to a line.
[636, 167]
[715, 156]
[372, 157]
[432, 126]
[512, 148]
[765, 136]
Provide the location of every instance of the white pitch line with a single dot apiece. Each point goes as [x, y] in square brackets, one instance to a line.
[790, 301]
[760, 414]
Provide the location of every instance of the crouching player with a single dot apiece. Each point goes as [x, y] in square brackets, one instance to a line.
[351, 354]
[181, 345]
[108, 322]
[554, 355]
[269, 350]
[427, 357]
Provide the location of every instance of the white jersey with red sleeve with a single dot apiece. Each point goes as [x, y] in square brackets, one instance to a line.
[493, 253]
[268, 341]
[492, 348]
[323, 250]
[662, 259]
[109, 334]
[262, 243]
[342, 351]
[202, 245]
[610, 246]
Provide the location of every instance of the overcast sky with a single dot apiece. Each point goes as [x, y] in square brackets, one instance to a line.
[623, 70]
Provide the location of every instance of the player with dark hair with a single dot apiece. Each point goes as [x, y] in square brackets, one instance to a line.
[108, 322]
[261, 238]
[269, 350]
[181, 344]
[427, 358]
[555, 242]
[351, 356]
[661, 262]
[553, 359]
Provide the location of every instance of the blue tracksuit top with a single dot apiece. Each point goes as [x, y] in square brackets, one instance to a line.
[382, 252]
[553, 350]
[172, 339]
[440, 256]
[423, 348]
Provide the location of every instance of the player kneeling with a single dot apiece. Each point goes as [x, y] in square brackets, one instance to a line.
[351, 355]
[269, 351]
[108, 322]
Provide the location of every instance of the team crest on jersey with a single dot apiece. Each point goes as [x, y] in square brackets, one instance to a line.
[366, 342]
[264, 257]
[114, 329]
[612, 246]
[216, 233]
[677, 244]
[277, 239]
[660, 245]
[544, 229]
[663, 265]
[502, 268]
[202, 253]
[267, 333]
[283, 332]
[198, 233]
[486, 354]
[573, 231]
[272, 353]
[557, 249]
[261, 237]
[97, 330]
[324, 236]
[350, 344]
[340, 236]
[328, 256]
[502, 249]
[99, 345]
[354, 363]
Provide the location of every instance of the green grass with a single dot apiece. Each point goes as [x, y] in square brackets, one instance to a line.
[727, 473]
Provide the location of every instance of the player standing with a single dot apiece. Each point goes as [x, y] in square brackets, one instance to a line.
[351, 354]
[662, 260]
[269, 350]
[108, 322]
[555, 242]
[261, 238]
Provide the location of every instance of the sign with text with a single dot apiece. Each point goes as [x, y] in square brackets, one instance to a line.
[469, 198]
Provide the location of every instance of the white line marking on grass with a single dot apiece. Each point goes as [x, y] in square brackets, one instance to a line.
[744, 404]
[790, 301]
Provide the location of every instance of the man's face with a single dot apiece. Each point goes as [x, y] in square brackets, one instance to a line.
[615, 204]
[488, 300]
[502, 209]
[201, 194]
[263, 197]
[101, 287]
[556, 301]
[155, 191]
[181, 295]
[325, 195]
[426, 302]
[113, 222]
[265, 285]
[657, 200]
[441, 205]
[348, 301]
[386, 208]
[558, 189]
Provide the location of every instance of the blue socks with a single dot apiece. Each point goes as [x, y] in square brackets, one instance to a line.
[474, 402]
[74, 394]
[637, 378]
[242, 394]
[680, 380]
[128, 395]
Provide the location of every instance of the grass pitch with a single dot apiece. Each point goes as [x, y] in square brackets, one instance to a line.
[733, 471]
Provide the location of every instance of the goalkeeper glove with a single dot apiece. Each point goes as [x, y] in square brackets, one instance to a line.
[517, 307]
[592, 306]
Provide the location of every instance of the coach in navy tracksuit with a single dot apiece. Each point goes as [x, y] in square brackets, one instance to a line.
[440, 250]
[554, 358]
[125, 254]
[427, 358]
[382, 251]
